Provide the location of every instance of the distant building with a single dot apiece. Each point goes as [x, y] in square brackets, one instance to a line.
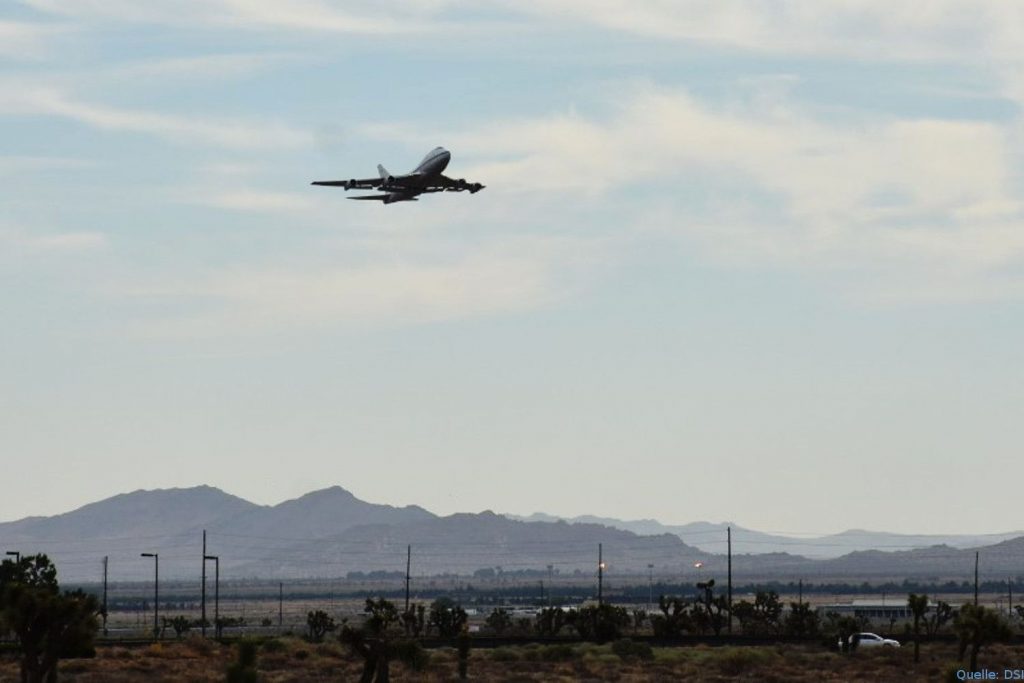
[885, 610]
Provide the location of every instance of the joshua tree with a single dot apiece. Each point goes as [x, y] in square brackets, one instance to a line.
[463, 647]
[47, 624]
[550, 621]
[447, 617]
[802, 620]
[675, 617]
[942, 613]
[977, 627]
[918, 604]
[708, 612]
[380, 640]
[319, 624]
[499, 620]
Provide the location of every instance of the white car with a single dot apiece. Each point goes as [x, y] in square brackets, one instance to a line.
[873, 640]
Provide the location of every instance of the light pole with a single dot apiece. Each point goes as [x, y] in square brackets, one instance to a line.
[216, 592]
[15, 554]
[156, 592]
[600, 576]
[697, 565]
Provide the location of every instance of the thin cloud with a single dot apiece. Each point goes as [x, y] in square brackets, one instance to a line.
[250, 300]
[221, 133]
[297, 15]
[924, 195]
[941, 30]
[26, 41]
[18, 238]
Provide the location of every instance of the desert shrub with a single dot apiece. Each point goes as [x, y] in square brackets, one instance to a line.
[329, 650]
[556, 653]
[627, 649]
[734, 661]
[244, 669]
[76, 666]
[198, 646]
[505, 654]
[274, 645]
[301, 655]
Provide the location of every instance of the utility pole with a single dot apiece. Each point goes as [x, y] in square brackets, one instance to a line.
[728, 538]
[216, 592]
[800, 595]
[650, 587]
[975, 578]
[551, 580]
[600, 576]
[105, 560]
[202, 619]
[280, 604]
[156, 593]
[408, 565]
[1009, 587]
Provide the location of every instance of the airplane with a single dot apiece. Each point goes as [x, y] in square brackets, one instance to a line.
[424, 178]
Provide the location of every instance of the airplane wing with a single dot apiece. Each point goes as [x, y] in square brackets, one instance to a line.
[353, 184]
[446, 184]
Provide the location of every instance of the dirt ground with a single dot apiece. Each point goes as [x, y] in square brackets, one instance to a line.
[290, 659]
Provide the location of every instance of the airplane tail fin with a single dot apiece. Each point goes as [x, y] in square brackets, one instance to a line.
[382, 171]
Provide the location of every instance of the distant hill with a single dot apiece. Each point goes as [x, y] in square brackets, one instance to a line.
[711, 537]
[464, 543]
[330, 532]
[171, 522]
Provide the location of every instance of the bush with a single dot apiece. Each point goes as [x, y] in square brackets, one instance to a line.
[244, 670]
[556, 653]
[734, 661]
[505, 654]
[627, 649]
[274, 645]
[199, 646]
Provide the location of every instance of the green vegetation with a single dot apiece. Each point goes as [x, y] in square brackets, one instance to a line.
[244, 669]
[318, 625]
[46, 623]
[447, 617]
[977, 627]
[918, 605]
[379, 640]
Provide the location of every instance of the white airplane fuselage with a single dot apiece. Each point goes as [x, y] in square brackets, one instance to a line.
[435, 162]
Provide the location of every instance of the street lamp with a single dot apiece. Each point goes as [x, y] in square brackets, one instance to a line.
[156, 592]
[697, 565]
[216, 592]
[15, 554]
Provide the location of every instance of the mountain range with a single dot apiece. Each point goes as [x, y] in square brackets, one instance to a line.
[711, 537]
[331, 533]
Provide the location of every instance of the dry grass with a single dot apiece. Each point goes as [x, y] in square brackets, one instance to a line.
[287, 660]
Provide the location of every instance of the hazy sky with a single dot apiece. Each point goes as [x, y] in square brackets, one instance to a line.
[748, 261]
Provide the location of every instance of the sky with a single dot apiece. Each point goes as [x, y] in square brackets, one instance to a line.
[756, 262]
